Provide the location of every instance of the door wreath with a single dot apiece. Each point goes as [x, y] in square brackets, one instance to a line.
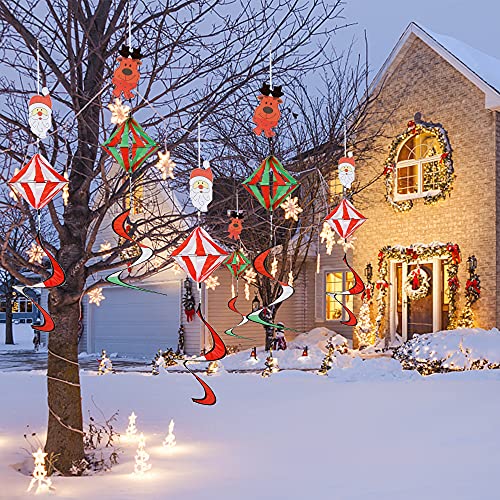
[417, 284]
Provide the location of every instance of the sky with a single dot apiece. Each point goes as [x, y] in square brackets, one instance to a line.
[475, 23]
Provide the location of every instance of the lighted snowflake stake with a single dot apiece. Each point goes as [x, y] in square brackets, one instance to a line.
[35, 253]
[212, 282]
[141, 457]
[96, 296]
[291, 208]
[327, 236]
[119, 111]
[165, 165]
[131, 429]
[169, 441]
[40, 478]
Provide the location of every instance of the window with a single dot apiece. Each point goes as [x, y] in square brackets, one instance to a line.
[417, 167]
[335, 187]
[338, 281]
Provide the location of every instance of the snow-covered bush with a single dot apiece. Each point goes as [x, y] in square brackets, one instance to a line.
[451, 350]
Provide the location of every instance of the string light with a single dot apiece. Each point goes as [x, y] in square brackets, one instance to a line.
[274, 267]
[44, 483]
[327, 236]
[105, 364]
[169, 441]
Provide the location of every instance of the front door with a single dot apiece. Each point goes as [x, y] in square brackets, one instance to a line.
[419, 315]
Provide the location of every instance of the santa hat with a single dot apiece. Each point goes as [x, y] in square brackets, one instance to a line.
[201, 172]
[347, 159]
[41, 101]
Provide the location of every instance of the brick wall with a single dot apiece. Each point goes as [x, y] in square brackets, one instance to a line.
[419, 80]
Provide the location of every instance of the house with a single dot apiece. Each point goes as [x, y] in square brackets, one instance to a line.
[435, 205]
[439, 195]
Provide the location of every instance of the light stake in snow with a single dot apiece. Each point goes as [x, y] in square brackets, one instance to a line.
[40, 478]
[305, 352]
[169, 441]
[131, 429]
[105, 364]
[213, 368]
[141, 457]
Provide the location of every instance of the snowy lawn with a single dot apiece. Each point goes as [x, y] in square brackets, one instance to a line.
[23, 338]
[371, 432]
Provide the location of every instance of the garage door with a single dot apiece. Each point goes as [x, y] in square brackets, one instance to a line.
[130, 322]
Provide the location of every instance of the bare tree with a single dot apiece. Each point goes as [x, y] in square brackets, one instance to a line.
[316, 118]
[196, 56]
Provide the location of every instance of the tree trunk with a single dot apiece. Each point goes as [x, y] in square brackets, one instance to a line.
[65, 426]
[9, 333]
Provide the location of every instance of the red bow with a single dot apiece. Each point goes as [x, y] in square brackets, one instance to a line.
[474, 285]
[415, 282]
[189, 314]
[455, 253]
[367, 294]
[453, 283]
[381, 284]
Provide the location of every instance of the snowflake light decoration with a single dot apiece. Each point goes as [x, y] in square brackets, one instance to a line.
[119, 111]
[328, 235]
[96, 296]
[165, 165]
[104, 247]
[35, 254]
[291, 208]
[212, 282]
[347, 244]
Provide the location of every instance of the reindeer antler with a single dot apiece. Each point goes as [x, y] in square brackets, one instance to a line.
[276, 92]
[265, 89]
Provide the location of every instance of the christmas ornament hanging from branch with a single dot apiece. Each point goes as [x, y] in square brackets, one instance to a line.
[267, 113]
[126, 76]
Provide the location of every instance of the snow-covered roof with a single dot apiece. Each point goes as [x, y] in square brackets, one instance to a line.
[481, 69]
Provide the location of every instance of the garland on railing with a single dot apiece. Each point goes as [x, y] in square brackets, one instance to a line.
[445, 174]
[412, 254]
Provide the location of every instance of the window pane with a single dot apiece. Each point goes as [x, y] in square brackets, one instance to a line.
[2, 306]
[336, 188]
[407, 179]
[29, 307]
[418, 147]
[430, 175]
[15, 306]
[333, 284]
[22, 305]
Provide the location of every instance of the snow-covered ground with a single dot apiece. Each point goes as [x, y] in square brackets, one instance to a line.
[295, 435]
[23, 338]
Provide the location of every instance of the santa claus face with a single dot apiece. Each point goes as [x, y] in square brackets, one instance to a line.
[346, 174]
[40, 120]
[201, 193]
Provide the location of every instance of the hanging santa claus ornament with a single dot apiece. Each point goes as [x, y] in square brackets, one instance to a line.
[267, 113]
[347, 170]
[126, 76]
[200, 187]
[40, 113]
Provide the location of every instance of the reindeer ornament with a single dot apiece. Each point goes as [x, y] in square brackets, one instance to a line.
[126, 76]
[267, 113]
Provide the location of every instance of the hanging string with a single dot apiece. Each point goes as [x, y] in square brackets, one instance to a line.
[271, 64]
[345, 138]
[131, 194]
[199, 141]
[37, 67]
[129, 24]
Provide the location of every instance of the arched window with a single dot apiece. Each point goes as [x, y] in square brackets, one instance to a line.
[417, 167]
